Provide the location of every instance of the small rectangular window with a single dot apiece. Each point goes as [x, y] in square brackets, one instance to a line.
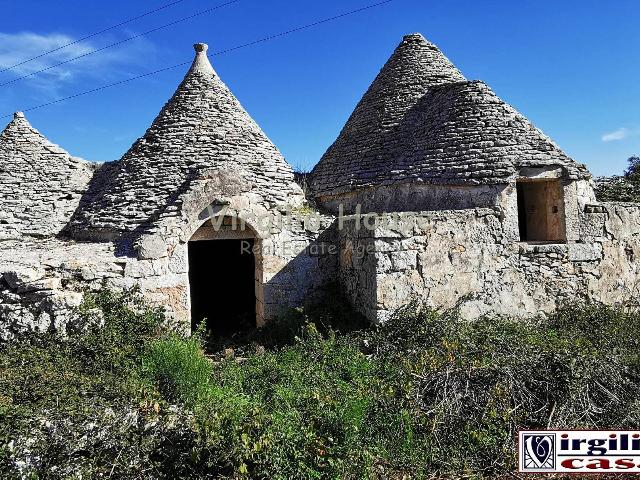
[541, 211]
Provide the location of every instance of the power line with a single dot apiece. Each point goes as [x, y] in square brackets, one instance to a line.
[91, 35]
[103, 87]
[304, 27]
[221, 52]
[84, 55]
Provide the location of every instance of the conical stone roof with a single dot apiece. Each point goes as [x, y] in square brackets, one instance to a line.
[40, 183]
[421, 121]
[203, 126]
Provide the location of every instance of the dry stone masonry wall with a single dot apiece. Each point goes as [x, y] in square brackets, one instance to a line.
[443, 156]
[465, 259]
[40, 183]
[202, 127]
[422, 123]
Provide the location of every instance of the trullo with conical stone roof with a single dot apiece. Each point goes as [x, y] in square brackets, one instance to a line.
[201, 133]
[425, 138]
[435, 191]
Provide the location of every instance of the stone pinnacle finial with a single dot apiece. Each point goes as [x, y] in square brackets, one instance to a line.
[415, 37]
[200, 47]
[201, 63]
[18, 115]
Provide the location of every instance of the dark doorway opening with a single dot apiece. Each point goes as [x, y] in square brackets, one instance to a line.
[541, 211]
[222, 285]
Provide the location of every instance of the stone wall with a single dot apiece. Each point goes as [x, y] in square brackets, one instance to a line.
[467, 259]
[416, 197]
[41, 281]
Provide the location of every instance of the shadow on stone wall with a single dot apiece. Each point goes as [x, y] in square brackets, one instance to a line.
[302, 279]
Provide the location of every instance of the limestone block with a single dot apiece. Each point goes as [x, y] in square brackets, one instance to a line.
[623, 220]
[53, 283]
[404, 260]
[139, 269]
[20, 276]
[397, 289]
[42, 323]
[585, 252]
[151, 248]
[121, 283]
[387, 245]
[383, 263]
[272, 265]
[178, 262]
[66, 299]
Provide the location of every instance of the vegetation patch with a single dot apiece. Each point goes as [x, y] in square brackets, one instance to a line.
[621, 189]
[427, 395]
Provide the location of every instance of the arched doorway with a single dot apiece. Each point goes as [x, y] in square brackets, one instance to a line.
[225, 277]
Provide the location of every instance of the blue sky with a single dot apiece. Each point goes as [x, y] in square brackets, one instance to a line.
[570, 66]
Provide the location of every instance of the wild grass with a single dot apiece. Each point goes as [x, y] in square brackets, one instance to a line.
[425, 396]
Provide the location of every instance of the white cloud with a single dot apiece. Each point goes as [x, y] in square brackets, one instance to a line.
[621, 134]
[17, 47]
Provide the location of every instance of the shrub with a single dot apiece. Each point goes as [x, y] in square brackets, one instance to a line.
[178, 367]
[317, 409]
[426, 395]
[481, 381]
[68, 406]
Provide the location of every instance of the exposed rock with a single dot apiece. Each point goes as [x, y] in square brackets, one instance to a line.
[151, 248]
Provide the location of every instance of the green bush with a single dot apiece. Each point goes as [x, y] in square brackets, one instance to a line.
[482, 381]
[65, 405]
[179, 369]
[306, 411]
[426, 395]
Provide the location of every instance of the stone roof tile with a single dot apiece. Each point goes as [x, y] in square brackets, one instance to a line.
[40, 183]
[421, 121]
[203, 126]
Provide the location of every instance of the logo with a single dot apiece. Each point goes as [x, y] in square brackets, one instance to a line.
[579, 451]
[538, 452]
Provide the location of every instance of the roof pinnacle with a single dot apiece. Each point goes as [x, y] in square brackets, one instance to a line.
[414, 36]
[201, 63]
[200, 47]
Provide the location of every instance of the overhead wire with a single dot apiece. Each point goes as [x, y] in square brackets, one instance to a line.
[120, 42]
[221, 52]
[91, 35]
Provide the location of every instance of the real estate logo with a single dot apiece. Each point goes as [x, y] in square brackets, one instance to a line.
[579, 451]
[538, 452]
